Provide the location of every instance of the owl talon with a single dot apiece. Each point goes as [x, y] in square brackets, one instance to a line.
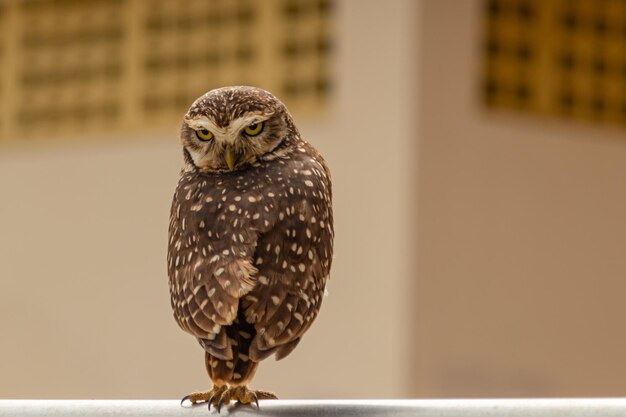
[185, 398]
[240, 394]
[223, 400]
[212, 401]
[214, 398]
[197, 397]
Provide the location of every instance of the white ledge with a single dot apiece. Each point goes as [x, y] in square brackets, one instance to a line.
[600, 407]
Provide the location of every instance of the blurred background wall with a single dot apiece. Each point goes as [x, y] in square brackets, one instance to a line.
[480, 240]
[521, 233]
[83, 289]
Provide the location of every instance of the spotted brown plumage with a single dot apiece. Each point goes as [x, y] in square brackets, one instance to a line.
[250, 236]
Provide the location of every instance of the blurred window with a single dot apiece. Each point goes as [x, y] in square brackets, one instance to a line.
[564, 58]
[78, 67]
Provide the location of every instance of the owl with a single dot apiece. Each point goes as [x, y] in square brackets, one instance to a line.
[250, 237]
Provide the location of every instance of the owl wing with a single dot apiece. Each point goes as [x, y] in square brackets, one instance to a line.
[208, 278]
[293, 261]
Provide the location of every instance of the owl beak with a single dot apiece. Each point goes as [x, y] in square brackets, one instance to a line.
[228, 157]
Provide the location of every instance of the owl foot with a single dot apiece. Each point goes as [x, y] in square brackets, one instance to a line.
[211, 396]
[243, 396]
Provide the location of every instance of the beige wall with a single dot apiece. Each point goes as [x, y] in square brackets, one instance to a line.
[522, 237]
[510, 284]
[84, 305]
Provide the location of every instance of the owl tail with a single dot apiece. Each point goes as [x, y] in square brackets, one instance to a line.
[235, 367]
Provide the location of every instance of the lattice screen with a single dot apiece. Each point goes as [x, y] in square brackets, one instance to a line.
[79, 66]
[557, 57]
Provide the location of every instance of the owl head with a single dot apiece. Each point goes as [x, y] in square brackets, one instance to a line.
[229, 128]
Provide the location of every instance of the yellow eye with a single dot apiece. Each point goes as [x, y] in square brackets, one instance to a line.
[204, 134]
[254, 129]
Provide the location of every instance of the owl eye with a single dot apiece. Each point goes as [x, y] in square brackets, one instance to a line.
[204, 134]
[254, 129]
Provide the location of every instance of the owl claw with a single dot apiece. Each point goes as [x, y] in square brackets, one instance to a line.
[240, 394]
[220, 404]
[185, 398]
[214, 400]
[209, 396]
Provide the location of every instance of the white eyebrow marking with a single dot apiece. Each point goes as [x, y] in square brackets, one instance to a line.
[229, 133]
[246, 120]
[203, 122]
